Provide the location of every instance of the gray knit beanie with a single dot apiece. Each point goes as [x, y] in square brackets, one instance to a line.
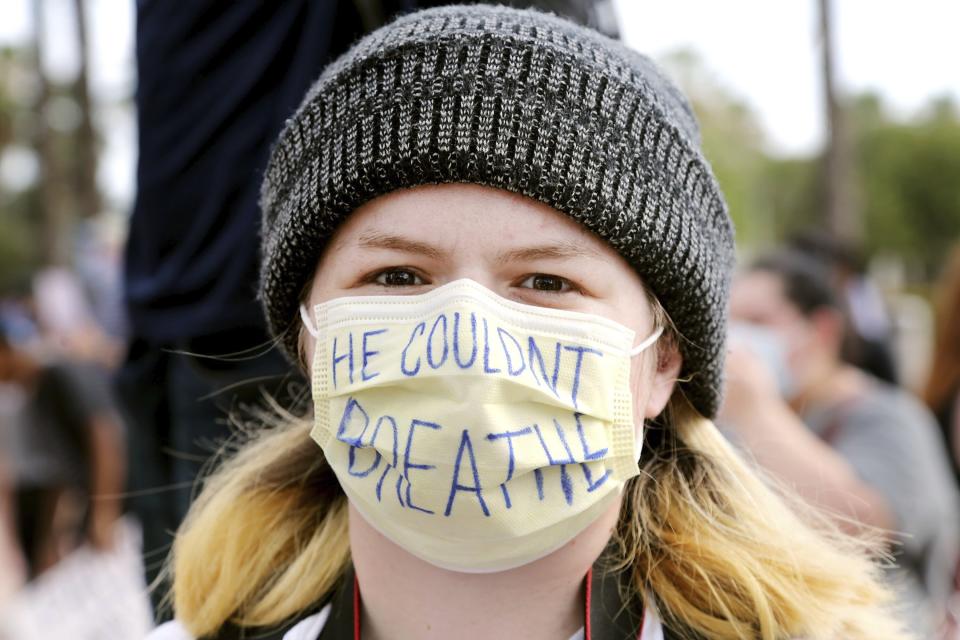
[523, 101]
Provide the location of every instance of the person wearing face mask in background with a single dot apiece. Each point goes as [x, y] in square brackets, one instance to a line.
[869, 332]
[856, 446]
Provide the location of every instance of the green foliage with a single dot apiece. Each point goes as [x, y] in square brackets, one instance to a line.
[907, 173]
[19, 240]
[910, 181]
[19, 228]
[791, 191]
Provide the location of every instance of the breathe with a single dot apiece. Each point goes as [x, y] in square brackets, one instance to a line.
[558, 451]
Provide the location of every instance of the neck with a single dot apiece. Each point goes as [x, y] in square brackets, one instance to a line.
[406, 598]
[833, 382]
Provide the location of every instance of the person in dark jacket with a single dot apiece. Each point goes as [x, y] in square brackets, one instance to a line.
[66, 453]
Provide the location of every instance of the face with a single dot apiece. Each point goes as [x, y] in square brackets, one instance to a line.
[411, 241]
[758, 298]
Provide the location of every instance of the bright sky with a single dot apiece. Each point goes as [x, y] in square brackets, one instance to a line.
[764, 52]
[110, 33]
[768, 53]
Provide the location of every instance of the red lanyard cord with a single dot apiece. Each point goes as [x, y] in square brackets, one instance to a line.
[586, 608]
[356, 608]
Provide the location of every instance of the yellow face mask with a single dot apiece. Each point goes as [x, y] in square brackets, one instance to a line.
[475, 432]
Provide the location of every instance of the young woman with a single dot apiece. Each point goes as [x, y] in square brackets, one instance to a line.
[490, 238]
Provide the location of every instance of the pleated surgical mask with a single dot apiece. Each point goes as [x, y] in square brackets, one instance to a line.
[475, 432]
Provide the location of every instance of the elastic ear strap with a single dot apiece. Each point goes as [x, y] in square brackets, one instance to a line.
[307, 322]
[643, 346]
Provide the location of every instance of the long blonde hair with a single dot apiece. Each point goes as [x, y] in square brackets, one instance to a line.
[722, 554]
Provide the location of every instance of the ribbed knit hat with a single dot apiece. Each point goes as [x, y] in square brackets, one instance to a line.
[523, 101]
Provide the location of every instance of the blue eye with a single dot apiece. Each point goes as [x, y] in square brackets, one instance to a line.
[398, 277]
[547, 282]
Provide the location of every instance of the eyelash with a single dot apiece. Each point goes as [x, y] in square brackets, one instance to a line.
[567, 286]
[374, 277]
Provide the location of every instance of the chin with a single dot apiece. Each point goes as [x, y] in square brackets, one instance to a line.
[572, 559]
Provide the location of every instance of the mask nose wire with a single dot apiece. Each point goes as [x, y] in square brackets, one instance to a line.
[635, 351]
[643, 346]
[307, 322]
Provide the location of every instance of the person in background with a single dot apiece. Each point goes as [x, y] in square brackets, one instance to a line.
[851, 444]
[868, 337]
[66, 456]
[942, 391]
[216, 82]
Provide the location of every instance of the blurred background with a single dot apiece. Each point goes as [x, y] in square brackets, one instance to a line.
[838, 117]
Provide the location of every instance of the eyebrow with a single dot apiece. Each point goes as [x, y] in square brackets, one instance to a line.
[555, 251]
[375, 240]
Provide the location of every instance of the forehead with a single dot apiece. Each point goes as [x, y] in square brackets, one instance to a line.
[756, 294]
[470, 218]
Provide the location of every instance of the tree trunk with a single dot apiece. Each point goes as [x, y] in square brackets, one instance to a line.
[840, 207]
[87, 194]
[54, 198]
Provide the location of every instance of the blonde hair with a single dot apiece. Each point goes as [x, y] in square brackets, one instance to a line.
[723, 554]
[727, 557]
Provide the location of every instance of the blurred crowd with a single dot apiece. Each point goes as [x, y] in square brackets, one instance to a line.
[64, 542]
[110, 412]
[815, 399]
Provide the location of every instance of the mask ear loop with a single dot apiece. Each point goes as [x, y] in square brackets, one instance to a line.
[643, 346]
[637, 350]
[307, 322]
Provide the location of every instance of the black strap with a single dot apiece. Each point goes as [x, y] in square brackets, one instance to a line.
[340, 623]
[610, 617]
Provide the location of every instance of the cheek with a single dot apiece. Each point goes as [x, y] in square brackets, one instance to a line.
[796, 344]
